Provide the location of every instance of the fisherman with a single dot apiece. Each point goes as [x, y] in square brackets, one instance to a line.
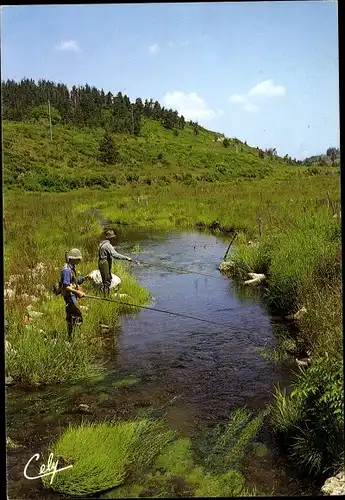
[106, 252]
[70, 292]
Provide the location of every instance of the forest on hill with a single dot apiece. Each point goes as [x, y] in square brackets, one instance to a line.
[56, 139]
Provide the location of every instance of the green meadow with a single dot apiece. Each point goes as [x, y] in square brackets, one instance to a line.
[287, 218]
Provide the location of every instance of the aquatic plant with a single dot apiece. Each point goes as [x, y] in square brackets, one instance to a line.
[142, 456]
[105, 454]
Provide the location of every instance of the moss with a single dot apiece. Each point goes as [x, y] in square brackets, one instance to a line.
[177, 458]
[125, 382]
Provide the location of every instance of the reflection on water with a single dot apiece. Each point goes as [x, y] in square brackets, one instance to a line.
[191, 372]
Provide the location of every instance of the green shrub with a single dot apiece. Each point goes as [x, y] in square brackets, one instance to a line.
[311, 419]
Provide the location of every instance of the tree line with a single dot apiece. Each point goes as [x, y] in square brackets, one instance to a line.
[332, 157]
[83, 106]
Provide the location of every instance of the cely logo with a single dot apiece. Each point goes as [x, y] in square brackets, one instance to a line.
[45, 470]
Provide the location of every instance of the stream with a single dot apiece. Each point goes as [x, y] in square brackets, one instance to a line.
[192, 373]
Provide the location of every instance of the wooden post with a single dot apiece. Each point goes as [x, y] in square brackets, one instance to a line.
[50, 121]
[132, 119]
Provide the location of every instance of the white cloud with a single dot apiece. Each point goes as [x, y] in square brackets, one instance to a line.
[191, 106]
[251, 108]
[69, 45]
[237, 98]
[248, 106]
[267, 89]
[154, 48]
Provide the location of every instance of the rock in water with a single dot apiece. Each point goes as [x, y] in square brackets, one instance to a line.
[334, 485]
[255, 279]
[97, 278]
[226, 266]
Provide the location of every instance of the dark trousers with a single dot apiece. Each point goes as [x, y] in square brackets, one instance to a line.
[105, 270]
[73, 317]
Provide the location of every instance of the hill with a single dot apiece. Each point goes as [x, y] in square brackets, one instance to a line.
[56, 139]
[34, 162]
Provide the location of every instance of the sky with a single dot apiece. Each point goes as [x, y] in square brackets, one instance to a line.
[264, 72]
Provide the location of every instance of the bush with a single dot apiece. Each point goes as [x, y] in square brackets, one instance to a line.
[108, 153]
[311, 419]
[42, 113]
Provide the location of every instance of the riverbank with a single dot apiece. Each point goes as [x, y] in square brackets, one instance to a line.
[295, 229]
[302, 269]
[37, 235]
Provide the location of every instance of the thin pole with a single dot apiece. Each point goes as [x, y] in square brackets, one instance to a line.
[50, 121]
[231, 242]
[132, 119]
[157, 310]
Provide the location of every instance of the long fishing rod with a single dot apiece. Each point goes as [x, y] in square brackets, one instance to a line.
[157, 310]
[180, 269]
[231, 242]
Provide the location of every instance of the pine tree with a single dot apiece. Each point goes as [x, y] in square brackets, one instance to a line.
[107, 151]
[196, 128]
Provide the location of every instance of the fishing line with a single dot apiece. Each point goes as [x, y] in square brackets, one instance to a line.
[180, 269]
[157, 310]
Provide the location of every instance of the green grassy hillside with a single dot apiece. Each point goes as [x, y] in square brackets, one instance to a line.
[34, 162]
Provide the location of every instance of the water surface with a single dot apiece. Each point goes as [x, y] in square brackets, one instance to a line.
[192, 373]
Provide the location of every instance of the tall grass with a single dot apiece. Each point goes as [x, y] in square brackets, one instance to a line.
[311, 419]
[303, 268]
[104, 454]
[41, 231]
[142, 455]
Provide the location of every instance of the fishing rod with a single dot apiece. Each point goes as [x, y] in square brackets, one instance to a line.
[180, 269]
[231, 242]
[157, 310]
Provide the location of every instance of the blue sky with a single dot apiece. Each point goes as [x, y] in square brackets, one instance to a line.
[265, 72]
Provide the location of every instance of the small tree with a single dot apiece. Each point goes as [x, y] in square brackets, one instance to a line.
[226, 142]
[196, 128]
[107, 151]
[41, 113]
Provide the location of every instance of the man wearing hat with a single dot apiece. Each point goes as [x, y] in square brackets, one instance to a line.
[69, 290]
[106, 252]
